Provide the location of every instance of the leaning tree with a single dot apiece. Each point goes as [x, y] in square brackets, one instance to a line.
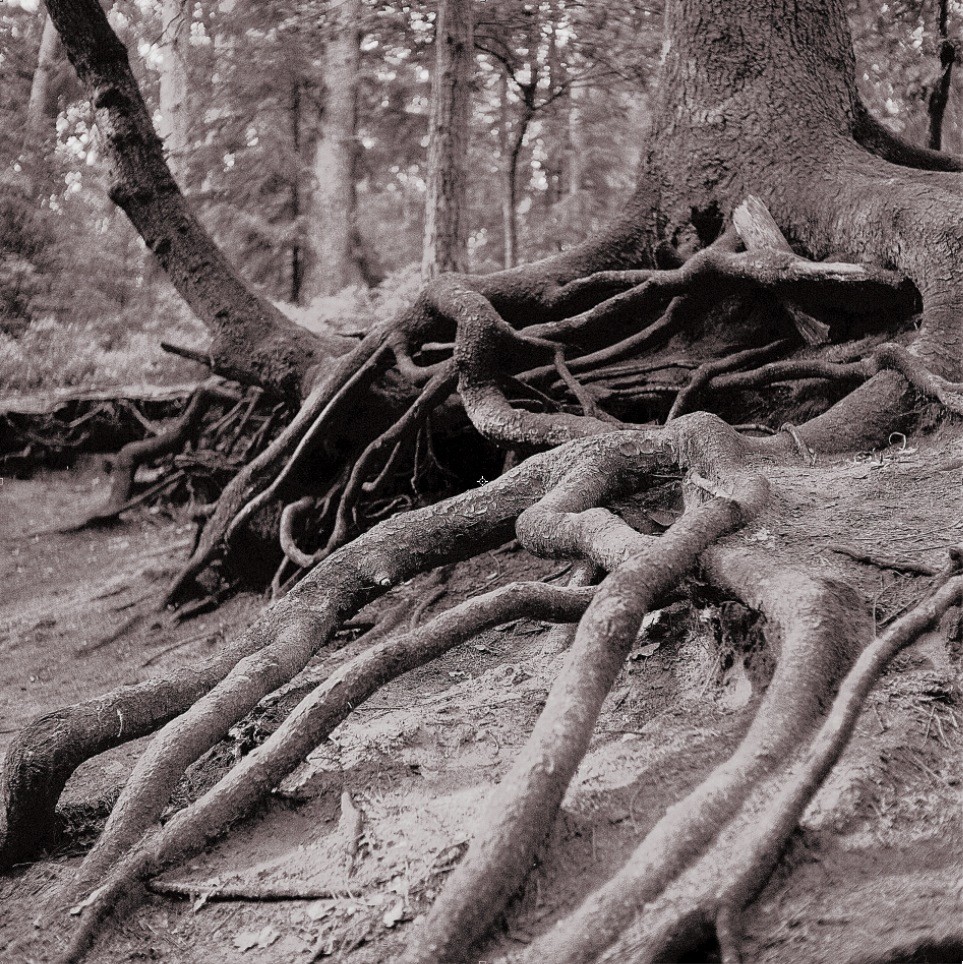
[774, 219]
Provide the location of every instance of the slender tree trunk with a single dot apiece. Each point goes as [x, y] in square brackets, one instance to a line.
[251, 339]
[336, 254]
[175, 123]
[510, 207]
[39, 107]
[556, 82]
[509, 228]
[940, 94]
[577, 145]
[446, 222]
[296, 280]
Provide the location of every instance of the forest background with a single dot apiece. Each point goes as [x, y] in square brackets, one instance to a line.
[253, 99]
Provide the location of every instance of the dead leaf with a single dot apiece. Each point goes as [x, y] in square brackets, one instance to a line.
[644, 651]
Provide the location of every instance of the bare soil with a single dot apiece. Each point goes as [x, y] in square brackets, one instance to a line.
[370, 826]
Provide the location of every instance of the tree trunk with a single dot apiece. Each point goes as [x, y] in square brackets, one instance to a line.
[509, 218]
[557, 80]
[510, 208]
[940, 94]
[174, 128]
[577, 144]
[39, 107]
[296, 274]
[446, 221]
[252, 340]
[775, 113]
[336, 256]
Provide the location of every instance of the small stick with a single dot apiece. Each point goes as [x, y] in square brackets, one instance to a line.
[192, 354]
[884, 562]
[180, 644]
[804, 450]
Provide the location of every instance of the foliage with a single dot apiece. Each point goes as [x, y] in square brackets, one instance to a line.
[897, 50]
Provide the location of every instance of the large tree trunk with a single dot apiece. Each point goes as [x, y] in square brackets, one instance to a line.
[446, 215]
[775, 113]
[175, 82]
[336, 256]
[39, 107]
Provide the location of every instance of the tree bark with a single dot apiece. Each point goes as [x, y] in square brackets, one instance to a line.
[336, 254]
[509, 218]
[446, 222]
[774, 112]
[39, 107]
[174, 127]
[297, 255]
[577, 143]
[251, 340]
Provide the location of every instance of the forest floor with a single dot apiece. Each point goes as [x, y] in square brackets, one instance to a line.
[381, 812]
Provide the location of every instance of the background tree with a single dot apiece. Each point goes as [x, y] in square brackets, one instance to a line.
[338, 258]
[446, 228]
[176, 122]
[39, 105]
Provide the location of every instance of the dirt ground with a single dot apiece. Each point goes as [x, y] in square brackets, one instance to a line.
[365, 833]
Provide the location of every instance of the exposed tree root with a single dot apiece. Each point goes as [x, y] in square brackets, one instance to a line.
[137, 453]
[261, 471]
[521, 811]
[739, 863]
[884, 562]
[285, 638]
[704, 374]
[439, 386]
[249, 893]
[563, 492]
[816, 627]
[46, 752]
[286, 531]
[307, 725]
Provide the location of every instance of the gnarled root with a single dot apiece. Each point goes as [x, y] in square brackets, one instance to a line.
[556, 501]
[311, 721]
[281, 642]
[816, 627]
[137, 453]
[729, 875]
[521, 810]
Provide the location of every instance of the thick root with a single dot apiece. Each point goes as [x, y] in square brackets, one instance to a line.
[291, 631]
[816, 627]
[522, 809]
[307, 725]
[735, 869]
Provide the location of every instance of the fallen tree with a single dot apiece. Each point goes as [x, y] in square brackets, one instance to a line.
[761, 161]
